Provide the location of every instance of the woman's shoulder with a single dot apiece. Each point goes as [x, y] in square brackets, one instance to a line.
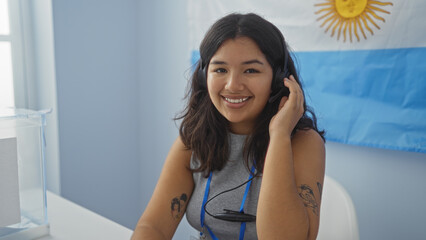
[180, 145]
[180, 151]
[308, 142]
[307, 136]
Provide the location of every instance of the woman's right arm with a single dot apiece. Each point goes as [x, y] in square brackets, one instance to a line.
[170, 198]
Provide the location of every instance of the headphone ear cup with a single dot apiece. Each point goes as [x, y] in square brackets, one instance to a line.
[278, 80]
[202, 78]
[279, 90]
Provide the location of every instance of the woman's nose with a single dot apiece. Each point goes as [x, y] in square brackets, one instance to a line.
[235, 83]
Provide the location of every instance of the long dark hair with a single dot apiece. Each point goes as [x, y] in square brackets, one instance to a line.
[203, 129]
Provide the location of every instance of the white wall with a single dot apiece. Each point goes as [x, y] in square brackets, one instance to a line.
[121, 75]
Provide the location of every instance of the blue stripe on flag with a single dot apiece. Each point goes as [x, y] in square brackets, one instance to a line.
[371, 98]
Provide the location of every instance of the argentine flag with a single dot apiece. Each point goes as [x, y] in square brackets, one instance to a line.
[362, 62]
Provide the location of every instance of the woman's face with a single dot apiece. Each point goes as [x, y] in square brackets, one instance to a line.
[239, 82]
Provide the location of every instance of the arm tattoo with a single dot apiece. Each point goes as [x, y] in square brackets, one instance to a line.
[178, 206]
[319, 185]
[308, 198]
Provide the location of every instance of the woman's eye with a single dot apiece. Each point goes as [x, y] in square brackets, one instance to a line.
[220, 70]
[251, 70]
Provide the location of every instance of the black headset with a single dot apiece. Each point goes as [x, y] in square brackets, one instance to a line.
[278, 88]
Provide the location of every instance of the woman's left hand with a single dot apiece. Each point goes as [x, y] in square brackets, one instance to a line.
[290, 110]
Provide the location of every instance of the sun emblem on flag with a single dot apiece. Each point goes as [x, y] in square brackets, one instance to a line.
[346, 17]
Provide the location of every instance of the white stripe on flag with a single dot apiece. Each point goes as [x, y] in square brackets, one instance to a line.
[404, 26]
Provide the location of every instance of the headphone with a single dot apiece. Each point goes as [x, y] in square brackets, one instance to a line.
[278, 88]
[202, 75]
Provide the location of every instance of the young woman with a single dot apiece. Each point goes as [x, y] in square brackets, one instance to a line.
[249, 161]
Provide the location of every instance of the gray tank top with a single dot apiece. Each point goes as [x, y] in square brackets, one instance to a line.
[233, 174]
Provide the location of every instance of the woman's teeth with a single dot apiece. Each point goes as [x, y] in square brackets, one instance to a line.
[236, 100]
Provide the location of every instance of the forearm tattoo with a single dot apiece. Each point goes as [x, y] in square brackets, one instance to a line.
[308, 198]
[178, 206]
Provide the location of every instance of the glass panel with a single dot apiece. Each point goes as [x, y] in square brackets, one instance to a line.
[4, 18]
[6, 76]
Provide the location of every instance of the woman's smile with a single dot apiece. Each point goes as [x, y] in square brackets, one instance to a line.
[235, 102]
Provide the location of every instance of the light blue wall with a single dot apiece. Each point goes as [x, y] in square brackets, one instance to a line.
[96, 46]
[163, 53]
[387, 187]
[163, 66]
[122, 67]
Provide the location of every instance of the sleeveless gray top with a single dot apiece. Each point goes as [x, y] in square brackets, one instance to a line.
[233, 174]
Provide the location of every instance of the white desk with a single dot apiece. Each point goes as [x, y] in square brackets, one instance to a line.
[69, 221]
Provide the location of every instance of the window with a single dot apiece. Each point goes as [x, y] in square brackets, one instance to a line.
[12, 87]
[6, 78]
